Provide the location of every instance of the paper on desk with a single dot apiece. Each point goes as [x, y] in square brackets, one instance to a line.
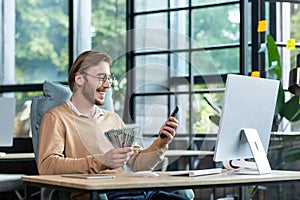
[144, 174]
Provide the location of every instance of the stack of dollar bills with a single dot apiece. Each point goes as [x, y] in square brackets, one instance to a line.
[123, 137]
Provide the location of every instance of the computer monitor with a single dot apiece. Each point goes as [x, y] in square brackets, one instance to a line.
[246, 120]
[7, 107]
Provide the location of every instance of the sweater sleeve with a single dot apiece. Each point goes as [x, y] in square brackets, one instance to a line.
[51, 156]
[149, 158]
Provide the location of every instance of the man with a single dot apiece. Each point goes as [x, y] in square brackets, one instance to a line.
[72, 134]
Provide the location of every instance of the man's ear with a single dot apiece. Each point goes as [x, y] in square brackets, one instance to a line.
[79, 80]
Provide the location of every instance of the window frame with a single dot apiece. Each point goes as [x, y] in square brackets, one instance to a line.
[243, 48]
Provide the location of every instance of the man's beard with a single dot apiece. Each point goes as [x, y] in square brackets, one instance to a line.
[88, 93]
[99, 102]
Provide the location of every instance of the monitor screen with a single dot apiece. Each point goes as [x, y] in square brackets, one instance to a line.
[249, 103]
[7, 107]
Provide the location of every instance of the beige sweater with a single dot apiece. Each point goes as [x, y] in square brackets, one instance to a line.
[69, 143]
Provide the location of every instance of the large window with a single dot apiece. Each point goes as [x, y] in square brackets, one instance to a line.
[180, 53]
[40, 40]
[42, 45]
[176, 52]
[35, 47]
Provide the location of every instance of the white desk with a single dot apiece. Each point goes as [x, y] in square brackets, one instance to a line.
[164, 181]
[10, 156]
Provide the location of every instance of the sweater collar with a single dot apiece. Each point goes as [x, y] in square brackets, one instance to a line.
[98, 111]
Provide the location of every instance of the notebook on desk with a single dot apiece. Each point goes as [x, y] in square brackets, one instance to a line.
[7, 107]
[89, 176]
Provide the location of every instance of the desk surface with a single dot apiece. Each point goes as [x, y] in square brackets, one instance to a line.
[125, 181]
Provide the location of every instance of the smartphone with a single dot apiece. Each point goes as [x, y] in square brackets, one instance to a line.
[175, 111]
[173, 114]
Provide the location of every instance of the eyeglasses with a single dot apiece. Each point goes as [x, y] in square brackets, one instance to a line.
[102, 78]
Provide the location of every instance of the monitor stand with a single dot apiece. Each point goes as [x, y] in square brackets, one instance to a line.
[261, 163]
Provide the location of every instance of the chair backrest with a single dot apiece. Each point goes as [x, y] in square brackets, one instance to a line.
[54, 94]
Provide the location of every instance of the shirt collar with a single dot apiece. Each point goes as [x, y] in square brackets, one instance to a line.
[98, 111]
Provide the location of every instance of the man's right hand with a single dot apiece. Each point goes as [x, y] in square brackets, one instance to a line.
[117, 157]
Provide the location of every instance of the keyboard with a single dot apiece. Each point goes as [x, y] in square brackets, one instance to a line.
[246, 171]
[192, 173]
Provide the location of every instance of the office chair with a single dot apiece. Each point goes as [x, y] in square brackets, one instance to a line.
[54, 94]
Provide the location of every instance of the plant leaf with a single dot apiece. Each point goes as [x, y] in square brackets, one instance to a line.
[280, 100]
[273, 56]
[291, 109]
[214, 105]
[215, 119]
